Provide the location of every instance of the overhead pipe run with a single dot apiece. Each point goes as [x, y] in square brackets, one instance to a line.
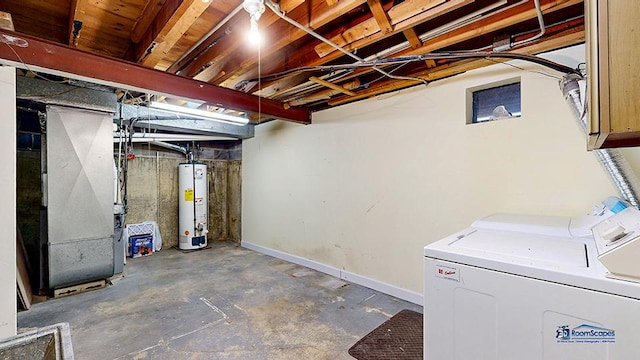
[623, 177]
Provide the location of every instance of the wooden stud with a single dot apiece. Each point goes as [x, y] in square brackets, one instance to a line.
[73, 12]
[323, 94]
[410, 9]
[332, 86]
[412, 38]
[566, 38]
[380, 15]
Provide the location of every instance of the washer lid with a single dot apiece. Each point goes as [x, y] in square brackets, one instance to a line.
[539, 251]
[530, 224]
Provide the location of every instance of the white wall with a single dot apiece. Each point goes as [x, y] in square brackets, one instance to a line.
[8, 203]
[368, 185]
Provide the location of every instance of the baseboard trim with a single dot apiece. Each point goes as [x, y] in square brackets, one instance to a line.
[395, 291]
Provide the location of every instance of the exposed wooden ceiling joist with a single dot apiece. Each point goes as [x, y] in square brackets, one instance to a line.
[565, 38]
[412, 38]
[28, 52]
[73, 11]
[183, 17]
[408, 13]
[486, 25]
[144, 21]
[321, 15]
[208, 42]
[380, 15]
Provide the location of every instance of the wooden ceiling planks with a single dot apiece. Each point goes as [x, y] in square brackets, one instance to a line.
[161, 33]
[564, 38]
[173, 30]
[309, 57]
[106, 25]
[45, 19]
[144, 20]
[487, 25]
[284, 35]
[490, 23]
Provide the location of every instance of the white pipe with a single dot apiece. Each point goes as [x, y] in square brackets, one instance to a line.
[540, 21]
[146, 137]
[471, 18]
[165, 145]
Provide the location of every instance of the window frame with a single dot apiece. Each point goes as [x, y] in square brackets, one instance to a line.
[496, 84]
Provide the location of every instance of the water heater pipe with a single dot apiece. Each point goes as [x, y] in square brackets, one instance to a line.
[614, 163]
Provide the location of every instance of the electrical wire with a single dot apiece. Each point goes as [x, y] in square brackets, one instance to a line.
[523, 69]
[276, 9]
[431, 56]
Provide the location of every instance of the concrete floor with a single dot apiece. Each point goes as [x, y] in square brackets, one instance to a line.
[225, 302]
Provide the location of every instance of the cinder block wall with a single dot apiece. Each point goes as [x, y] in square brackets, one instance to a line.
[153, 192]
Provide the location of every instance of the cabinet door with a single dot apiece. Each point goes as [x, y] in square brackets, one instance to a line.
[613, 60]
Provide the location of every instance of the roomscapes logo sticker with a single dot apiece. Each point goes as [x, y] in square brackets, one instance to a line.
[585, 333]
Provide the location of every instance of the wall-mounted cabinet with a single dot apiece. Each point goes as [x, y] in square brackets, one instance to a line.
[613, 69]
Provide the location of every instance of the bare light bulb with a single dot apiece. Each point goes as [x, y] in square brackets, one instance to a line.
[254, 35]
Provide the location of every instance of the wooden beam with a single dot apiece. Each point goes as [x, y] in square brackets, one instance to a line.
[567, 38]
[412, 38]
[185, 16]
[288, 5]
[74, 8]
[380, 15]
[49, 57]
[332, 86]
[323, 94]
[498, 21]
[489, 24]
[405, 10]
[321, 15]
[309, 57]
[149, 12]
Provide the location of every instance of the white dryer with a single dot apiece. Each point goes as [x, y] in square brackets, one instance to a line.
[526, 287]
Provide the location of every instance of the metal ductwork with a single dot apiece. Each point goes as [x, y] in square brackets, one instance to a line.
[612, 160]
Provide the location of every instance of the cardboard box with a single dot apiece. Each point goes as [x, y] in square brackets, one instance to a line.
[141, 245]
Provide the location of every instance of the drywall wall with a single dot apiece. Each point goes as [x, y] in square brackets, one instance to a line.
[153, 196]
[8, 205]
[368, 185]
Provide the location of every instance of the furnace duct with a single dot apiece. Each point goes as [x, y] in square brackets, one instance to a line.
[612, 160]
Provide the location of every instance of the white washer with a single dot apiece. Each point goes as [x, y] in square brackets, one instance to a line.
[492, 292]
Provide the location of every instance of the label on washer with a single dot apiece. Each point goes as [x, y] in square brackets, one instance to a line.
[448, 272]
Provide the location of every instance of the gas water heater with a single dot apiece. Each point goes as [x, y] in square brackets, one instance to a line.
[192, 209]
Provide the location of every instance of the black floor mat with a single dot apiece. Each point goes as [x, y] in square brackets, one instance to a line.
[399, 338]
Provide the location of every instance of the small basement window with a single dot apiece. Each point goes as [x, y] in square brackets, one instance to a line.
[495, 101]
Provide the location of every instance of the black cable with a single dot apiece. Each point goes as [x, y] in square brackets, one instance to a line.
[431, 56]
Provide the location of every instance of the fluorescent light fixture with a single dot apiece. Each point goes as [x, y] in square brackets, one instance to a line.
[208, 115]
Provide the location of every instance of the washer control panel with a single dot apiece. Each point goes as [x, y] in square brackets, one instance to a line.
[618, 242]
